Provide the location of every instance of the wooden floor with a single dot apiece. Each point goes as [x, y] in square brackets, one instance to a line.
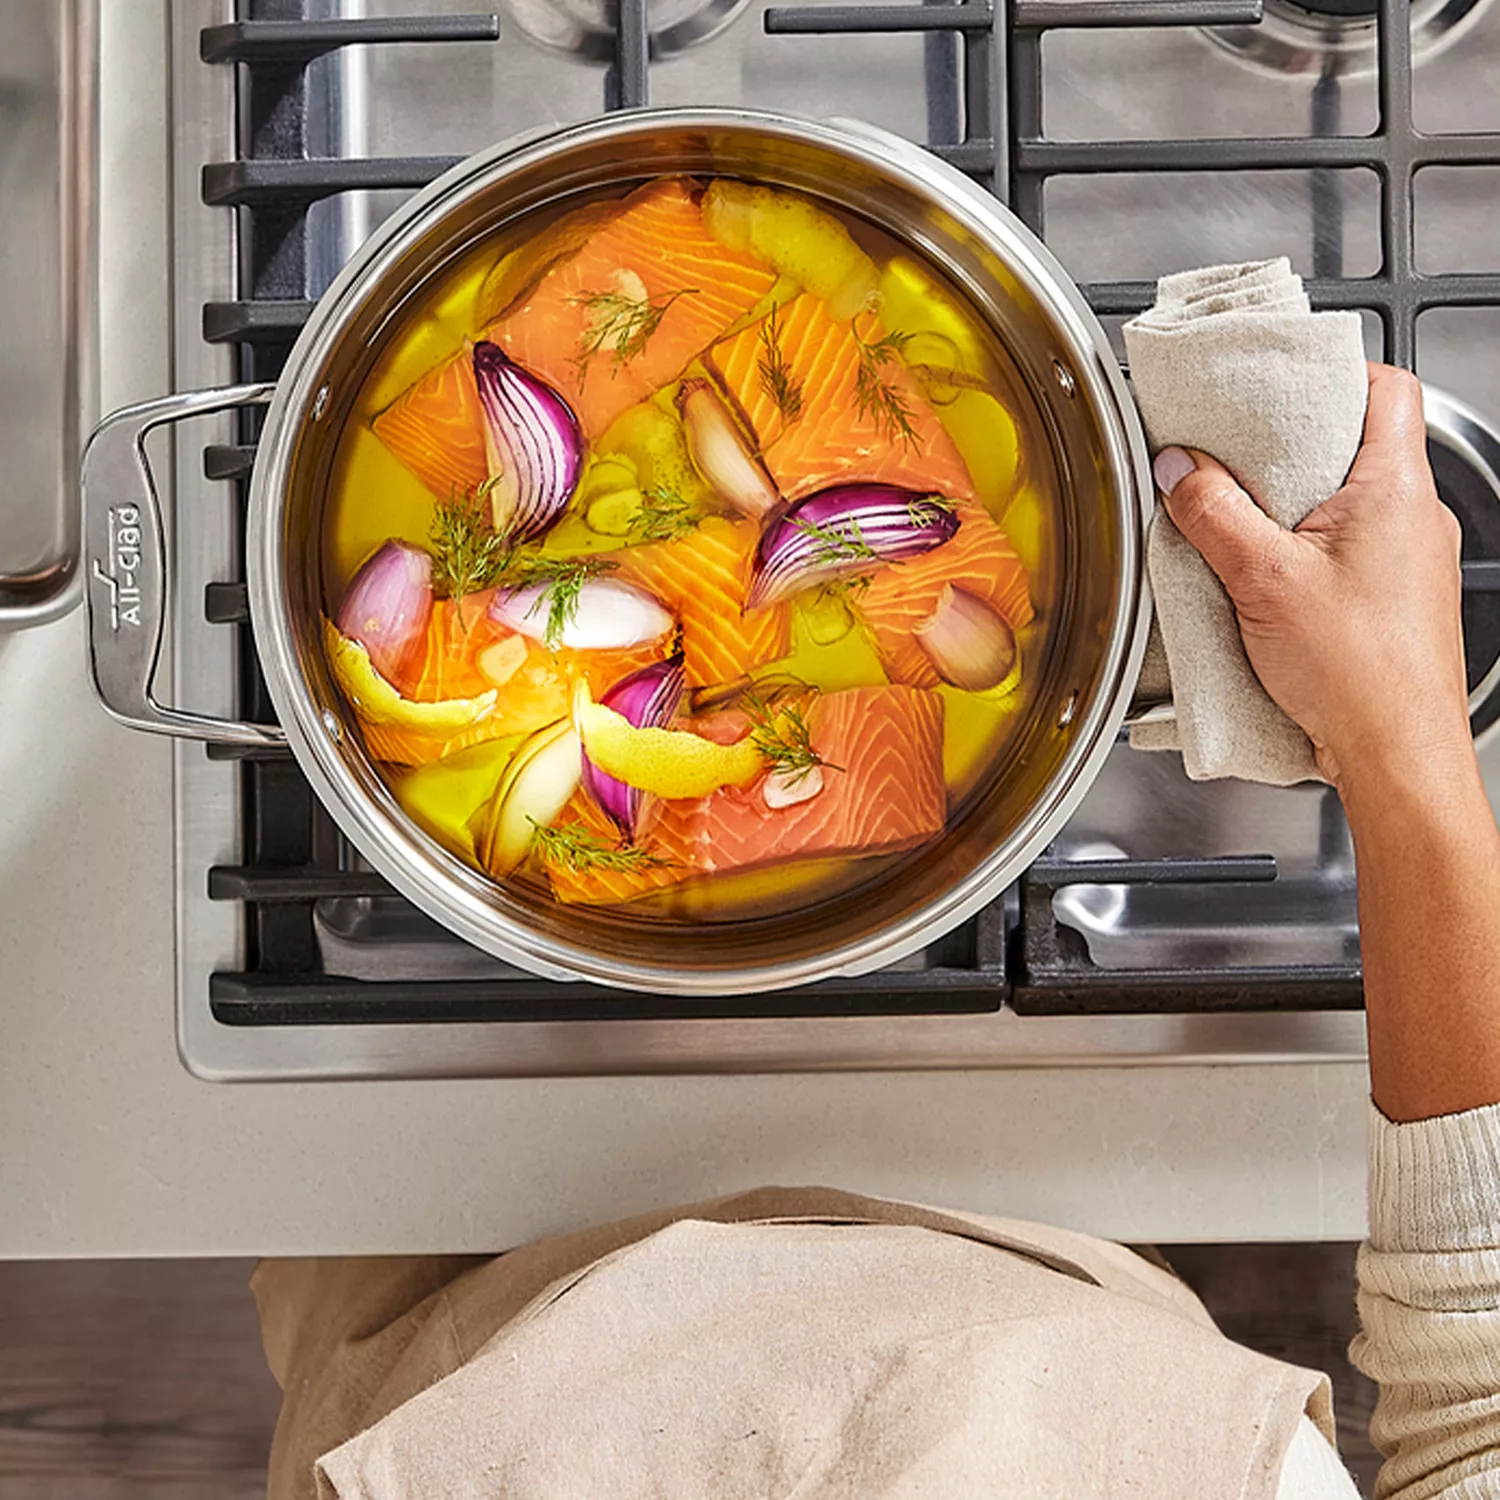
[143, 1380]
[1295, 1302]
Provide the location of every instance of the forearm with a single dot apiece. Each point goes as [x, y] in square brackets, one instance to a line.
[1428, 856]
[1429, 1301]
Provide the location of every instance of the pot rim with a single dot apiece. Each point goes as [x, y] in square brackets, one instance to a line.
[444, 886]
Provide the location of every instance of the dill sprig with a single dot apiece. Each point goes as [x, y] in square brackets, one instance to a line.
[664, 516]
[570, 847]
[561, 580]
[875, 396]
[926, 510]
[836, 542]
[776, 378]
[850, 590]
[621, 323]
[470, 554]
[778, 729]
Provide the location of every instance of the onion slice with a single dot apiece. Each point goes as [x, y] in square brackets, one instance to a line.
[388, 605]
[718, 447]
[967, 642]
[532, 443]
[649, 699]
[600, 614]
[842, 531]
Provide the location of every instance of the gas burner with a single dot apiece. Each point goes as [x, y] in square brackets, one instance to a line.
[590, 28]
[1337, 38]
[1465, 454]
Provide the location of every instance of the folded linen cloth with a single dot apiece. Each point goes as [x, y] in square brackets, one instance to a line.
[1232, 361]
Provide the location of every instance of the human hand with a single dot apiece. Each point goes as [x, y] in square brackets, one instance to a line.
[1352, 620]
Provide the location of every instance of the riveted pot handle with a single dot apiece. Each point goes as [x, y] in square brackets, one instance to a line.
[125, 562]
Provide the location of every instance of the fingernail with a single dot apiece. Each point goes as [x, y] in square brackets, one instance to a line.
[1172, 466]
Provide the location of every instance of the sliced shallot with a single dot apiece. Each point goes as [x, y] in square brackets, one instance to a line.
[532, 443]
[388, 605]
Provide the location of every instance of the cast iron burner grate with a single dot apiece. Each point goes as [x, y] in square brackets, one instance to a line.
[987, 120]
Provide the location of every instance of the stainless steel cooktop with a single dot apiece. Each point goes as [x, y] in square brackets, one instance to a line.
[1275, 958]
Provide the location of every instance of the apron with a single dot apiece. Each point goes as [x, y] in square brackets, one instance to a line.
[803, 1343]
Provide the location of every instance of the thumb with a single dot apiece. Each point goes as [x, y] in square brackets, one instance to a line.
[1236, 537]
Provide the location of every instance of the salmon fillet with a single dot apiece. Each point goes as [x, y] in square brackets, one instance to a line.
[888, 796]
[436, 428]
[832, 440]
[597, 887]
[978, 558]
[653, 242]
[658, 246]
[703, 578]
[537, 692]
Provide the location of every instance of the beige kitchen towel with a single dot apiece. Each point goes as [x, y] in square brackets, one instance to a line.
[844, 1357]
[1232, 361]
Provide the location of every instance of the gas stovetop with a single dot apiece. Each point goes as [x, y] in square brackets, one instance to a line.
[1171, 922]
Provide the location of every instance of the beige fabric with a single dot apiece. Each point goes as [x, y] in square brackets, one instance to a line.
[1429, 1302]
[1312, 1469]
[350, 1340]
[1232, 362]
[823, 1345]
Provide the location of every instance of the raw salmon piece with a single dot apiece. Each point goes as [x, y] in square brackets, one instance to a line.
[703, 579]
[656, 246]
[890, 794]
[832, 441]
[979, 558]
[436, 428]
[409, 747]
[607, 887]
[445, 666]
[538, 692]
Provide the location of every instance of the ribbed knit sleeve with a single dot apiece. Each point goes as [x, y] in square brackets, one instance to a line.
[1429, 1304]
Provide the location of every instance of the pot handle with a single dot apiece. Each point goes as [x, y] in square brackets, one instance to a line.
[125, 563]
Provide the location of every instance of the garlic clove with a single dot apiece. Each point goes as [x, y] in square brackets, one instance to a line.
[967, 642]
[500, 662]
[719, 449]
[788, 788]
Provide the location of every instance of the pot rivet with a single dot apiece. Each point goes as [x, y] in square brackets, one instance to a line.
[332, 725]
[1064, 377]
[320, 403]
[1068, 710]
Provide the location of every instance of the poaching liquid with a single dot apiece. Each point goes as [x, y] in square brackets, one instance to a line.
[692, 549]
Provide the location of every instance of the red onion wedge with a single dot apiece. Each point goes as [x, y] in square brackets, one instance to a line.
[649, 698]
[532, 442]
[388, 605]
[844, 530]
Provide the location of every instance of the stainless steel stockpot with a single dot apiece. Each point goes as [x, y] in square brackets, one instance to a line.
[1082, 682]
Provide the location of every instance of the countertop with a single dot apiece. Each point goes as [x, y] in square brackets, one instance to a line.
[109, 1148]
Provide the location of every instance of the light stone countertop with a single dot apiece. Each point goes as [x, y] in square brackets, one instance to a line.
[109, 1148]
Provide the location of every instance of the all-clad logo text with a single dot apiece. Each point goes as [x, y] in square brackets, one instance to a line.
[122, 575]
